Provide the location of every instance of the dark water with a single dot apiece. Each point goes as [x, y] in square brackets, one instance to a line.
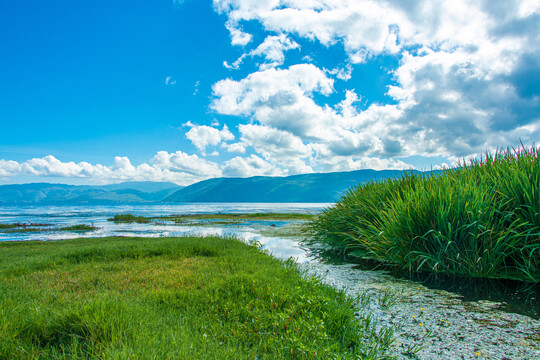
[516, 296]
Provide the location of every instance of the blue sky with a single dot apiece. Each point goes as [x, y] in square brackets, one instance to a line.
[109, 91]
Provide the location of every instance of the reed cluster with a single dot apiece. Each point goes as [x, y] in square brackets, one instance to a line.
[481, 218]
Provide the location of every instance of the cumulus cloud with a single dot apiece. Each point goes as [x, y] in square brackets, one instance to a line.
[177, 167]
[238, 37]
[279, 147]
[467, 79]
[203, 136]
[359, 24]
[250, 166]
[277, 98]
[272, 49]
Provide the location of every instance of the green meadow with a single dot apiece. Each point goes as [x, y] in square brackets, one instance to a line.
[480, 219]
[172, 298]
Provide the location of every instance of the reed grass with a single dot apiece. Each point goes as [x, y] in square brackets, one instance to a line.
[481, 218]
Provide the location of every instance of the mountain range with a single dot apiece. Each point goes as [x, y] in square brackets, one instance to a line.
[316, 187]
[126, 192]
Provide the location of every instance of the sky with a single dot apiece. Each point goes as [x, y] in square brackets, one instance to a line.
[96, 92]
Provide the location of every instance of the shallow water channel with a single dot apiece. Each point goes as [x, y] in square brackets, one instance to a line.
[433, 316]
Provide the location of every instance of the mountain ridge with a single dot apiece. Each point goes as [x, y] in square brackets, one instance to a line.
[314, 187]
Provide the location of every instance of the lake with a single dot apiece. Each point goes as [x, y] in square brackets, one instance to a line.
[97, 215]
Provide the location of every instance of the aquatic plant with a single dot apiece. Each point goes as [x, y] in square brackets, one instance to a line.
[481, 218]
[79, 227]
[129, 218]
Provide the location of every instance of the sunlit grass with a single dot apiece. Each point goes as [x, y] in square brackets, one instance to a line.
[480, 219]
[171, 298]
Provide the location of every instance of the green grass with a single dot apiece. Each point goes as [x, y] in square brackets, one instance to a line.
[171, 298]
[481, 219]
[130, 218]
[79, 227]
[230, 218]
[23, 227]
[20, 226]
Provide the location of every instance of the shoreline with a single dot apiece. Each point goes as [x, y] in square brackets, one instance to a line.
[475, 329]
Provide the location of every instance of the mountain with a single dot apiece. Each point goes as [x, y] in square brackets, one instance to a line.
[45, 193]
[319, 187]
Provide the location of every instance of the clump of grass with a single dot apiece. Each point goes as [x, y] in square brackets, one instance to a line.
[480, 219]
[129, 218]
[238, 216]
[79, 227]
[21, 225]
[172, 298]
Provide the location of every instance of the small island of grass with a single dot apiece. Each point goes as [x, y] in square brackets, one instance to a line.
[79, 227]
[130, 218]
[31, 227]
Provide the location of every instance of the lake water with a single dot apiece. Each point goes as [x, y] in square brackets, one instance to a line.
[97, 215]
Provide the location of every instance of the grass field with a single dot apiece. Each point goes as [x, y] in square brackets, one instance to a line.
[480, 219]
[171, 298]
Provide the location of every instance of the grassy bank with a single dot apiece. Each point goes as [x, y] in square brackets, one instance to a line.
[23, 227]
[481, 219]
[170, 298]
[225, 217]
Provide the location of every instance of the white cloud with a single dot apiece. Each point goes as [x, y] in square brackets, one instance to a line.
[203, 136]
[359, 24]
[238, 37]
[238, 148]
[344, 74]
[250, 166]
[178, 167]
[467, 80]
[277, 98]
[169, 80]
[272, 49]
[277, 146]
[9, 168]
[187, 165]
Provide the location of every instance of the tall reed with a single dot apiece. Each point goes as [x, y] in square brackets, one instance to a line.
[481, 218]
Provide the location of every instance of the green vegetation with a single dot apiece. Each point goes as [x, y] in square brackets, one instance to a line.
[129, 218]
[24, 227]
[481, 219]
[171, 298]
[21, 226]
[231, 218]
[79, 227]
[241, 216]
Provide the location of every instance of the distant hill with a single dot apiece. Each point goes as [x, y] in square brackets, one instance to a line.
[318, 187]
[45, 193]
